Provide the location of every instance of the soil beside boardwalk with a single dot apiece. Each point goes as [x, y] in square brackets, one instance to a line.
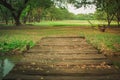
[64, 58]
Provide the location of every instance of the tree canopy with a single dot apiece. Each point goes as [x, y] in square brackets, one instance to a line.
[35, 9]
[16, 7]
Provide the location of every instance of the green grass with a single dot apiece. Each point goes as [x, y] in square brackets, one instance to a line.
[18, 37]
[105, 42]
[10, 42]
[72, 23]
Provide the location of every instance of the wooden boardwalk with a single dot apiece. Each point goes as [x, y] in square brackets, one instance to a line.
[64, 58]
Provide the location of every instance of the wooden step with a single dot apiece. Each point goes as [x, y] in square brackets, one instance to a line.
[62, 47]
[42, 67]
[62, 51]
[63, 59]
[82, 44]
[62, 41]
[58, 53]
[64, 37]
[38, 77]
[67, 57]
[68, 62]
[66, 71]
[51, 39]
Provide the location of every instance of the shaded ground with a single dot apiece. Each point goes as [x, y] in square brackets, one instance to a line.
[64, 58]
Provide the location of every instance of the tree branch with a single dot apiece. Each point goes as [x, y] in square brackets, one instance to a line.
[7, 5]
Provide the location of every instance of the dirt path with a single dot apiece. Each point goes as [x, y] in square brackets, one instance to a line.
[64, 58]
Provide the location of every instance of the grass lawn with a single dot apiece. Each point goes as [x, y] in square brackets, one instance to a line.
[14, 39]
[72, 23]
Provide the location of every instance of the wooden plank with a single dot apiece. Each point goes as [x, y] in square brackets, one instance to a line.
[82, 44]
[68, 62]
[65, 59]
[37, 66]
[58, 56]
[62, 47]
[66, 71]
[32, 63]
[58, 53]
[62, 41]
[62, 51]
[38, 77]
[53, 37]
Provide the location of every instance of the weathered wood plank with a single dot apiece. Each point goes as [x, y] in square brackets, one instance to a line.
[64, 58]
[68, 72]
[70, 62]
[63, 51]
[38, 77]
[62, 47]
[74, 57]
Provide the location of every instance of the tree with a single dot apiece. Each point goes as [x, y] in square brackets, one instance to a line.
[54, 13]
[110, 7]
[36, 10]
[89, 16]
[117, 4]
[15, 7]
[100, 15]
[4, 14]
[22, 8]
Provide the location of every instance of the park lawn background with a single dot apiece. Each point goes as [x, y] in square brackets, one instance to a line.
[73, 23]
[13, 39]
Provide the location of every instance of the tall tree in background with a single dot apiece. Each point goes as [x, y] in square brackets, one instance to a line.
[54, 13]
[117, 3]
[15, 7]
[22, 8]
[5, 14]
[110, 7]
[36, 10]
[33, 9]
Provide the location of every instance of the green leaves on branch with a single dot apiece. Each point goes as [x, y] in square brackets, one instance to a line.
[17, 44]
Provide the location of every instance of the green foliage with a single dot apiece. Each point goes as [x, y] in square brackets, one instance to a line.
[100, 15]
[25, 12]
[104, 41]
[8, 46]
[54, 13]
[40, 3]
[17, 44]
[20, 8]
[89, 16]
[110, 7]
[11, 41]
[5, 14]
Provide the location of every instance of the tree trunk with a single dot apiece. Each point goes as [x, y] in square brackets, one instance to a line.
[17, 19]
[118, 19]
[12, 21]
[118, 22]
[109, 22]
[24, 20]
[6, 21]
[15, 12]
[109, 19]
